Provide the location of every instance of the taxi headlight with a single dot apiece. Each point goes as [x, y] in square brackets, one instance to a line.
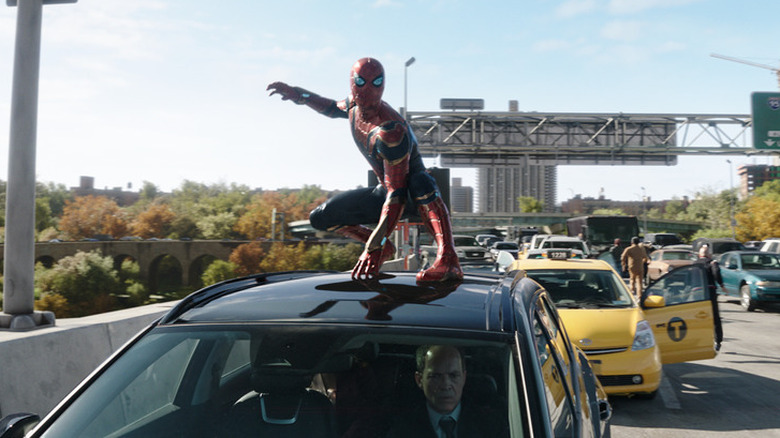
[460, 253]
[643, 339]
[769, 284]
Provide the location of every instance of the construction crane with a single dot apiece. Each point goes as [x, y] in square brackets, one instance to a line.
[754, 64]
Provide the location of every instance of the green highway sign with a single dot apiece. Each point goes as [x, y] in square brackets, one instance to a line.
[766, 120]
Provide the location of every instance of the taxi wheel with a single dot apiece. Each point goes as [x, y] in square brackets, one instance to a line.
[745, 300]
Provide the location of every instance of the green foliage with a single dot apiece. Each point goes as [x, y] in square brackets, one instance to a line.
[711, 208]
[769, 190]
[332, 257]
[341, 257]
[87, 281]
[610, 211]
[712, 233]
[528, 204]
[218, 270]
[217, 226]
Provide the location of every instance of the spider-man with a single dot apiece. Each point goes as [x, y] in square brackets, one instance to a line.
[390, 147]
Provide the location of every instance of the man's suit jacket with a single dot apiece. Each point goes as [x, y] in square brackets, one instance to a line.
[473, 423]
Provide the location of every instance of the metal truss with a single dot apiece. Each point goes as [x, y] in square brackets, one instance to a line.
[462, 138]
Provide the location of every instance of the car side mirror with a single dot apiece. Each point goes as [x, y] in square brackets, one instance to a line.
[17, 425]
[654, 301]
[503, 260]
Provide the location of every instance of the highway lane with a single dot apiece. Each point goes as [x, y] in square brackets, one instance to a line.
[736, 394]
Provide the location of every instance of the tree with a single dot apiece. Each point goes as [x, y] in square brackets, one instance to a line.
[87, 281]
[758, 219]
[246, 258]
[217, 226]
[283, 257]
[610, 211]
[528, 204]
[87, 216]
[218, 270]
[155, 221]
[255, 222]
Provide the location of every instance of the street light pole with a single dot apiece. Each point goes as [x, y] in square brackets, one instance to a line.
[644, 208]
[409, 62]
[731, 200]
[19, 262]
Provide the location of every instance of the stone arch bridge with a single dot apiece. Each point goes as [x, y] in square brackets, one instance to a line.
[193, 255]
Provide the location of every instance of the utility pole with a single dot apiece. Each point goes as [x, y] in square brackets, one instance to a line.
[19, 261]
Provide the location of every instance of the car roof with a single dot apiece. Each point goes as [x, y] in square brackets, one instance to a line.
[566, 238]
[584, 264]
[331, 297]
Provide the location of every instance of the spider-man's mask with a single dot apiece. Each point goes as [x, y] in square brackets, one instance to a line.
[367, 82]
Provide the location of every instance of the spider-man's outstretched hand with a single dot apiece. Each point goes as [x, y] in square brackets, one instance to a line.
[287, 92]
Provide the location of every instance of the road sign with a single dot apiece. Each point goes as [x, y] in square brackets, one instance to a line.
[766, 120]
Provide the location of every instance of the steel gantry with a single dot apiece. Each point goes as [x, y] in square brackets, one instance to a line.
[484, 139]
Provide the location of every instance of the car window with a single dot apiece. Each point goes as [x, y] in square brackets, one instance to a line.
[578, 288]
[683, 285]
[553, 360]
[465, 241]
[679, 255]
[216, 381]
[759, 261]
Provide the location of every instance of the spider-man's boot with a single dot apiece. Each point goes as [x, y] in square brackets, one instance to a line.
[446, 267]
[361, 234]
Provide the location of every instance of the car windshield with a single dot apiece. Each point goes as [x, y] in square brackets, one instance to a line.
[570, 244]
[679, 255]
[505, 245]
[760, 261]
[242, 380]
[576, 288]
[721, 247]
[465, 241]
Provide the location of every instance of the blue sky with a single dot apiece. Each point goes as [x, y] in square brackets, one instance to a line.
[168, 90]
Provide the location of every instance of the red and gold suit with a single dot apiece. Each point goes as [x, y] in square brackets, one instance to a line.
[387, 142]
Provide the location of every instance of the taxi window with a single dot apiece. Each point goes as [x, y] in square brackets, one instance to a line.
[554, 361]
[579, 288]
[683, 285]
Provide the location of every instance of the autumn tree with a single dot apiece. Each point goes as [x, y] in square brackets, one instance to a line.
[155, 221]
[87, 216]
[246, 258]
[283, 257]
[759, 218]
[256, 221]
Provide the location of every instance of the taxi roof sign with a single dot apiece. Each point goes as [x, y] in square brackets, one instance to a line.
[766, 120]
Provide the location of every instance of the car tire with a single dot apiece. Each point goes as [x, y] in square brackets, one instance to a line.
[745, 300]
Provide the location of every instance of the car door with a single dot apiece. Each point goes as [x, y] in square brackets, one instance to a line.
[684, 326]
[731, 273]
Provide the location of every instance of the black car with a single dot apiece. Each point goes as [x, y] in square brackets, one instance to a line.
[316, 354]
[717, 246]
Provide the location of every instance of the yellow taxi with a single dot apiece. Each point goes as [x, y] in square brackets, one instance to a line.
[625, 341]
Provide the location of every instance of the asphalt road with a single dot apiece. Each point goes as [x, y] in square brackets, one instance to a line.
[736, 394]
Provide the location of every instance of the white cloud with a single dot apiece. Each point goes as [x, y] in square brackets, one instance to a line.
[627, 7]
[573, 8]
[550, 45]
[629, 30]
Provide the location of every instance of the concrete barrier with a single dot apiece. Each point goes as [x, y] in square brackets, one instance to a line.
[40, 367]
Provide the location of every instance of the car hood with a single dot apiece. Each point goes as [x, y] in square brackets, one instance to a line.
[765, 274]
[593, 329]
